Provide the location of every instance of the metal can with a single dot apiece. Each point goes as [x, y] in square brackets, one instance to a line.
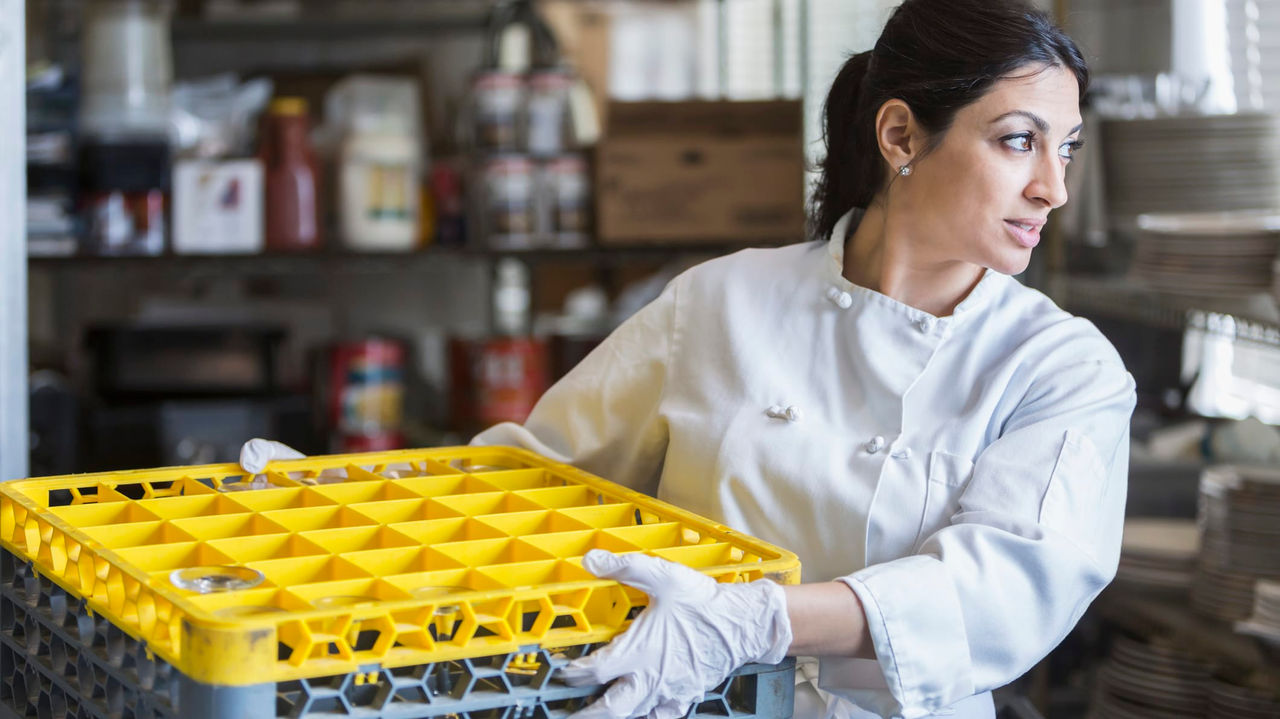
[366, 392]
[570, 193]
[509, 213]
[495, 380]
[547, 128]
[499, 100]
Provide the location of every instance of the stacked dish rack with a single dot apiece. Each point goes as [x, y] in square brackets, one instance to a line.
[414, 583]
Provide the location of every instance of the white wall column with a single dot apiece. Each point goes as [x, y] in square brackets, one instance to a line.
[14, 429]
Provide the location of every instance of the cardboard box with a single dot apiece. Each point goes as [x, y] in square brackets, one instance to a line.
[583, 30]
[701, 172]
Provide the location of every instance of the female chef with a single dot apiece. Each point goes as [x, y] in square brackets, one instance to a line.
[945, 449]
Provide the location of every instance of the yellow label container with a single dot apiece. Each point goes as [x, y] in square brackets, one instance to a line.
[390, 559]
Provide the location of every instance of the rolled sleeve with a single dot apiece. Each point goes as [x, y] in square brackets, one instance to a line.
[1036, 538]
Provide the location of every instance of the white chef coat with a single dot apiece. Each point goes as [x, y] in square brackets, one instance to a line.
[964, 475]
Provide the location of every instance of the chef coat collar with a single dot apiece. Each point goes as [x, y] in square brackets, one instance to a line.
[977, 298]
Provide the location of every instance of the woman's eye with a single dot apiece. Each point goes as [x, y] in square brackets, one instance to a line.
[1069, 149]
[1021, 143]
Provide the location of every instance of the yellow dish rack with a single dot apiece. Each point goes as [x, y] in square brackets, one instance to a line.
[387, 559]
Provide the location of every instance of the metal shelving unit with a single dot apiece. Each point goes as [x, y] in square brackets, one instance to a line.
[332, 33]
[366, 263]
[424, 18]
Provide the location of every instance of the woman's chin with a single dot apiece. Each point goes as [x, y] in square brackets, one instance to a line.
[1014, 264]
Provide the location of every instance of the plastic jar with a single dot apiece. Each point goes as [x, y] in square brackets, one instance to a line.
[379, 160]
[127, 67]
[378, 174]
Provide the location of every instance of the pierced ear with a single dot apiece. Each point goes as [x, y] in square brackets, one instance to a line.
[897, 133]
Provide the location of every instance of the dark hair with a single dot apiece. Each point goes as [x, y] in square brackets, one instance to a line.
[937, 56]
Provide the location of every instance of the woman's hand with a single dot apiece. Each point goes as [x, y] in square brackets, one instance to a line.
[257, 453]
[692, 636]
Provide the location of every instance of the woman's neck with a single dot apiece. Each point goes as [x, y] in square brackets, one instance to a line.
[885, 258]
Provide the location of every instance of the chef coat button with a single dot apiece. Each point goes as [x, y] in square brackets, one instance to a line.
[842, 299]
[925, 325]
[902, 453]
[875, 444]
[793, 413]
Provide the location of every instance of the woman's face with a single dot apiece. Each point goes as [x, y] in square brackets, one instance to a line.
[984, 193]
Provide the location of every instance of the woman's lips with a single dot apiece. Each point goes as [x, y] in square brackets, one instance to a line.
[1026, 234]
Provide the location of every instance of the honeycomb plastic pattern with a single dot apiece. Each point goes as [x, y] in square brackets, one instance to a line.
[344, 542]
[58, 660]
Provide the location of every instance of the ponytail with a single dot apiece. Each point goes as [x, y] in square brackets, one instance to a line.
[852, 153]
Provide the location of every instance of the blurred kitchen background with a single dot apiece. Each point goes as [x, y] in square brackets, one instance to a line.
[362, 224]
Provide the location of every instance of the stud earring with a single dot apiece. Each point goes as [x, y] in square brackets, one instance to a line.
[904, 170]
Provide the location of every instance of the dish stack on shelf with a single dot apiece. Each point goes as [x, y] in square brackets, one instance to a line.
[1206, 163]
[1264, 623]
[1158, 554]
[1140, 681]
[1211, 253]
[1227, 701]
[1240, 545]
[1266, 605]
[1221, 594]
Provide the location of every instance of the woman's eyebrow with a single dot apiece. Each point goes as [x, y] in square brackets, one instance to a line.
[1035, 119]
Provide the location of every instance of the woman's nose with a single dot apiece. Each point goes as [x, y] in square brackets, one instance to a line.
[1049, 184]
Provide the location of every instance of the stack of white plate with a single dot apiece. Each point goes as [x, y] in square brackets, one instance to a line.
[1209, 253]
[1266, 604]
[1227, 701]
[1264, 623]
[1240, 538]
[1158, 553]
[1240, 517]
[1222, 595]
[1191, 164]
[1142, 681]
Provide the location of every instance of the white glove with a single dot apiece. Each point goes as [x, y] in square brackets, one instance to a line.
[692, 636]
[257, 453]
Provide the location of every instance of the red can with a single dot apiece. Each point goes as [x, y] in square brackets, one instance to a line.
[366, 394]
[495, 380]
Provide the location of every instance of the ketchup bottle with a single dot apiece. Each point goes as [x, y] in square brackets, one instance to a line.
[291, 178]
